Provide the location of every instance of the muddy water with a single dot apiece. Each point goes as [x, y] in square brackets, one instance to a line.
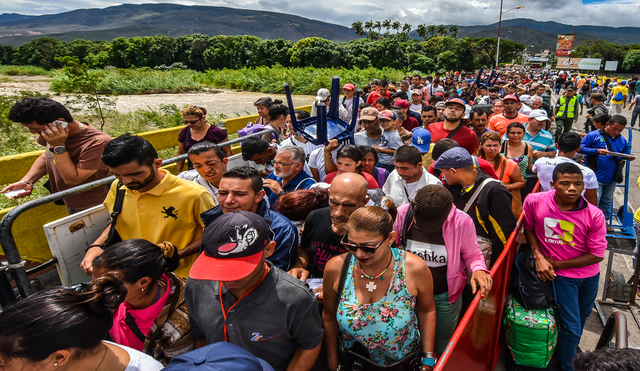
[230, 102]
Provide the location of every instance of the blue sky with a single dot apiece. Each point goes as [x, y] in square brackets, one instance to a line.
[616, 13]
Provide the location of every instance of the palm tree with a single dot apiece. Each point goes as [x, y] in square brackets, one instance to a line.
[422, 31]
[378, 26]
[397, 26]
[431, 30]
[358, 28]
[387, 25]
[441, 30]
[453, 31]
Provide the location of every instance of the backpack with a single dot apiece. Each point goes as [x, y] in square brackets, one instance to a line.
[618, 97]
[251, 128]
[526, 287]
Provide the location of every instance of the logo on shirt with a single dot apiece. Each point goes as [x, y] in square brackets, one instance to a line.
[244, 238]
[257, 337]
[170, 212]
[558, 231]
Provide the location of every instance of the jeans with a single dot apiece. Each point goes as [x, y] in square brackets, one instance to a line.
[558, 86]
[575, 298]
[563, 125]
[605, 198]
[634, 116]
[446, 320]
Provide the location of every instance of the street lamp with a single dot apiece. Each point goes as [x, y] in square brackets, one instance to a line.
[500, 28]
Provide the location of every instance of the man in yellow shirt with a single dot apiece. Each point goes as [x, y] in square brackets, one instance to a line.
[157, 206]
[618, 104]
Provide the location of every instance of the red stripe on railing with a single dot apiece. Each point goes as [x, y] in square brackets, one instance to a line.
[476, 343]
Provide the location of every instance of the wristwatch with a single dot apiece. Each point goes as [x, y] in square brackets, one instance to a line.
[58, 149]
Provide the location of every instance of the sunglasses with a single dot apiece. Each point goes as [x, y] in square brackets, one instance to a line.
[366, 249]
[192, 122]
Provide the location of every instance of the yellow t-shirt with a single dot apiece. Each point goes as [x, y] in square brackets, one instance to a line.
[170, 211]
[427, 160]
[619, 89]
[636, 217]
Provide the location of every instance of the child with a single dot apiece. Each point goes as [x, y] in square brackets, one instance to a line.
[386, 119]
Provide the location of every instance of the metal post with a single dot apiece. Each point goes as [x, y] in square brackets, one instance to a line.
[499, 29]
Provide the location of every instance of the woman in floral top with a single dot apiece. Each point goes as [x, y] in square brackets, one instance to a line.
[385, 313]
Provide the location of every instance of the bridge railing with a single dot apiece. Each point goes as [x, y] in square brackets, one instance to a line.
[14, 268]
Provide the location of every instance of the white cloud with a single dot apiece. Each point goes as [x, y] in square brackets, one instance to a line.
[616, 13]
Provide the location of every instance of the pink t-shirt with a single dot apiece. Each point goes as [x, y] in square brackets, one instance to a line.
[121, 333]
[564, 235]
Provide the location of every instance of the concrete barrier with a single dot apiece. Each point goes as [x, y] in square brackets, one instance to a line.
[27, 229]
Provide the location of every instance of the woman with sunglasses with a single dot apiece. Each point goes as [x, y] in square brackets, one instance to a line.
[196, 131]
[378, 300]
[444, 237]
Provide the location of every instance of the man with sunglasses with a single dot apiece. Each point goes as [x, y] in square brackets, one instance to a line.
[324, 228]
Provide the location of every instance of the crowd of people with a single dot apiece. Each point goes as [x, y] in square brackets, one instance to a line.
[334, 256]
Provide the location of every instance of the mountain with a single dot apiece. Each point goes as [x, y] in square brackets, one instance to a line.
[543, 35]
[169, 19]
[131, 20]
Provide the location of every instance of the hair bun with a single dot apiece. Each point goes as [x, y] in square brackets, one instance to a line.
[168, 250]
[105, 293]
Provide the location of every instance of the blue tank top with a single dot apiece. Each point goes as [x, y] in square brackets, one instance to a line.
[388, 328]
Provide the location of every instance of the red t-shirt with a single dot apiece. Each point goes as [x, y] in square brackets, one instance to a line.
[370, 179]
[410, 123]
[374, 96]
[465, 137]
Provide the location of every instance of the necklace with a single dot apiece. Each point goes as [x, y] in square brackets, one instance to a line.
[103, 357]
[371, 286]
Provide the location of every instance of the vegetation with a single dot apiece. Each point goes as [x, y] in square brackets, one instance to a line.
[624, 54]
[390, 49]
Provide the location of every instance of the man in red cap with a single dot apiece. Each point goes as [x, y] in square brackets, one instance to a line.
[349, 91]
[452, 128]
[500, 122]
[234, 295]
[412, 118]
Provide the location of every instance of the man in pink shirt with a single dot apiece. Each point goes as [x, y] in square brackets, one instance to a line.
[567, 236]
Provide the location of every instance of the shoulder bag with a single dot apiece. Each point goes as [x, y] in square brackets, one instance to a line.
[619, 174]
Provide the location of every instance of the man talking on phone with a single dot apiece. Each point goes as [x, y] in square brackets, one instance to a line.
[72, 156]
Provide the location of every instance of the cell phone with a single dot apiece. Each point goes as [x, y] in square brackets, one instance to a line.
[11, 194]
[63, 123]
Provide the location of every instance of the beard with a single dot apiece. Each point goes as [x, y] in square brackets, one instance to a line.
[134, 186]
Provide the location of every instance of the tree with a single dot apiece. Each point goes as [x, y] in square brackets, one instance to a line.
[423, 64]
[447, 61]
[358, 28]
[453, 31]
[421, 31]
[386, 24]
[441, 30]
[631, 61]
[41, 52]
[314, 51]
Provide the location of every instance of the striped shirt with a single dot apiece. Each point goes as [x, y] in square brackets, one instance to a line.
[543, 141]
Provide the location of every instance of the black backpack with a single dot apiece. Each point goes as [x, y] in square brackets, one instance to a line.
[526, 287]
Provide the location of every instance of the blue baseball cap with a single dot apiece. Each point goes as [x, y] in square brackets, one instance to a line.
[221, 356]
[421, 139]
[454, 158]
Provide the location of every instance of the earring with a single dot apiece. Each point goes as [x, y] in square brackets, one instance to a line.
[143, 289]
[56, 364]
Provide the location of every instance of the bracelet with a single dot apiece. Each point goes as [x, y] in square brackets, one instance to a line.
[29, 183]
[427, 355]
[428, 361]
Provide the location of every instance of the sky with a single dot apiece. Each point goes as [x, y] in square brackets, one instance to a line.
[616, 13]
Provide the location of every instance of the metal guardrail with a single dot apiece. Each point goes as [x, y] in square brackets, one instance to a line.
[13, 269]
[616, 324]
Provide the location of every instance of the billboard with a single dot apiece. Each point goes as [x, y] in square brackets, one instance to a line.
[564, 45]
[579, 63]
[611, 66]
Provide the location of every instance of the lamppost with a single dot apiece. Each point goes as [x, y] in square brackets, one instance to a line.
[500, 28]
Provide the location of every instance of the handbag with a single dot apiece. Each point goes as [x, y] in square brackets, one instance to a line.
[526, 287]
[516, 196]
[618, 176]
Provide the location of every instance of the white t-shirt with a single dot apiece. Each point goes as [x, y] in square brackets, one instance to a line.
[308, 147]
[544, 168]
[433, 254]
[416, 107]
[316, 161]
[139, 361]
[411, 187]
[348, 104]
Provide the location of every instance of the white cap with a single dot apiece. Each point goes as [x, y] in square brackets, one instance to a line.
[539, 114]
[322, 95]
[526, 98]
[467, 112]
